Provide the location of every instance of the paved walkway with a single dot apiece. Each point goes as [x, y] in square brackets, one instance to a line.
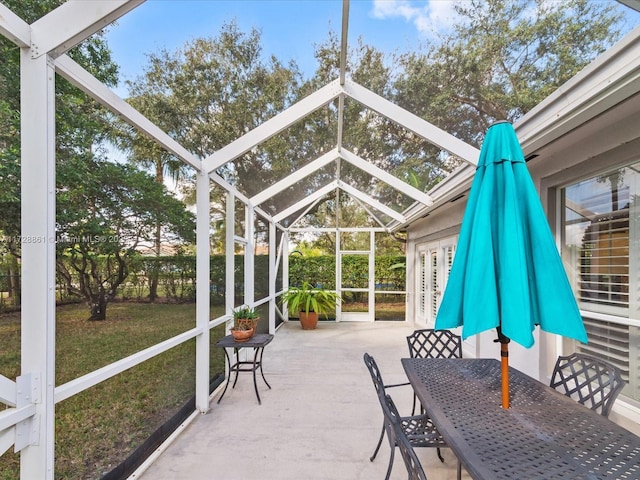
[320, 420]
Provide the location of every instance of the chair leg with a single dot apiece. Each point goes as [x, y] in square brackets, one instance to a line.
[440, 454]
[393, 451]
[459, 470]
[375, 452]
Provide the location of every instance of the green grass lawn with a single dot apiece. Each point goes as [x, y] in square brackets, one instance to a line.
[98, 428]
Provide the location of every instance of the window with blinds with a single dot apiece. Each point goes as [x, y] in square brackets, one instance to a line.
[423, 283]
[601, 233]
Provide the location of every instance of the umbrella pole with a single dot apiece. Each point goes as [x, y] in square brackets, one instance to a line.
[504, 366]
[504, 363]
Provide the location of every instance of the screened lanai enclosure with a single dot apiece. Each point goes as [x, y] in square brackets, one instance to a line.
[253, 194]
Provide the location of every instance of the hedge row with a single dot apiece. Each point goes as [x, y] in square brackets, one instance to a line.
[177, 275]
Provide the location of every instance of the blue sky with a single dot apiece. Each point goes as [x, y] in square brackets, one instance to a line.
[290, 28]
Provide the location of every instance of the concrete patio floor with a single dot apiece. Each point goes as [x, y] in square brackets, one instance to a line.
[320, 420]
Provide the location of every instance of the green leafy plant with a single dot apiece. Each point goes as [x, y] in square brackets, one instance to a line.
[308, 298]
[245, 312]
[245, 318]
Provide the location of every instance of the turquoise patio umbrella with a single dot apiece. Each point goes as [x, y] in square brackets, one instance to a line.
[507, 273]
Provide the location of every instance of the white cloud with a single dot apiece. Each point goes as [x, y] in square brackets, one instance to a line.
[426, 15]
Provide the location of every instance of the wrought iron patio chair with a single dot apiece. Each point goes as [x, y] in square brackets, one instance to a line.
[411, 461]
[419, 429]
[591, 381]
[430, 343]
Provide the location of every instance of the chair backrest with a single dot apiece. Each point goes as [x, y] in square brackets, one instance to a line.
[591, 381]
[429, 343]
[411, 461]
[376, 377]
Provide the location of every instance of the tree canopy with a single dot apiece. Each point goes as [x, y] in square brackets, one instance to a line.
[103, 209]
[100, 223]
[501, 59]
[80, 123]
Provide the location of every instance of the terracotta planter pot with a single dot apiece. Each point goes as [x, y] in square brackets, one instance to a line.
[241, 335]
[308, 321]
[247, 323]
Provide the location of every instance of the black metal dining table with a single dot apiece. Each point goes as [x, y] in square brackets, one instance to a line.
[543, 435]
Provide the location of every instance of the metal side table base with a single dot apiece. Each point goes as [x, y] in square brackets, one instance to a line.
[257, 342]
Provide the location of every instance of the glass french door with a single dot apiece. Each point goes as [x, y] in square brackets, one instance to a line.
[434, 264]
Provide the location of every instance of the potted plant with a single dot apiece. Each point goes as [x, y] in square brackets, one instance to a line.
[245, 321]
[309, 302]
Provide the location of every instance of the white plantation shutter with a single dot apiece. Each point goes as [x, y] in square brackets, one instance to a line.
[609, 341]
[449, 253]
[601, 234]
[423, 284]
[604, 260]
[433, 264]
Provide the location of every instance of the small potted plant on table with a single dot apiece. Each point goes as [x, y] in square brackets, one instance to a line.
[310, 302]
[245, 322]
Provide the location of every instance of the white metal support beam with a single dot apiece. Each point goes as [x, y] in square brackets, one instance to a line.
[273, 271]
[635, 4]
[86, 82]
[228, 187]
[340, 122]
[74, 21]
[386, 177]
[19, 425]
[203, 295]
[14, 28]
[7, 391]
[354, 192]
[229, 279]
[304, 212]
[295, 177]
[367, 209]
[249, 255]
[37, 96]
[273, 126]
[421, 127]
[10, 418]
[344, 42]
[321, 192]
[87, 381]
[338, 277]
[333, 229]
[285, 270]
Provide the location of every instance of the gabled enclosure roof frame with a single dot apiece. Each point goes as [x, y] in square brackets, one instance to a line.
[43, 45]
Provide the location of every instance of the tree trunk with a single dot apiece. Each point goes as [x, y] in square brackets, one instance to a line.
[14, 281]
[154, 273]
[153, 285]
[153, 280]
[99, 309]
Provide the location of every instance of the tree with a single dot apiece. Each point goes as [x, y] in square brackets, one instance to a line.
[79, 122]
[100, 222]
[500, 60]
[210, 92]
